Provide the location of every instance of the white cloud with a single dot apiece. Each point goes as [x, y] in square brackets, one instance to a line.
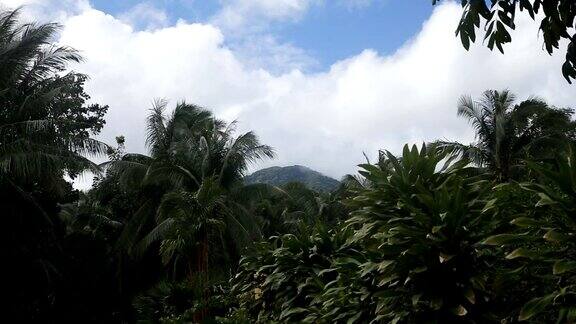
[323, 120]
[238, 15]
[145, 15]
[266, 52]
[47, 10]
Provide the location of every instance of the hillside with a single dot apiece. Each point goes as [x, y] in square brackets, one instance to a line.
[278, 176]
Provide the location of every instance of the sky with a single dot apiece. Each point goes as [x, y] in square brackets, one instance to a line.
[322, 81]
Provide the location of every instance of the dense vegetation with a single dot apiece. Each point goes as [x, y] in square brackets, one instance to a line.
[443, 233]
[279, 176]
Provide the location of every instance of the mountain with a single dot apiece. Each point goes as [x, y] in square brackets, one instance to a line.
[278, 176]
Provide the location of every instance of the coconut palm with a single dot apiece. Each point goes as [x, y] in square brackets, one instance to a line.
[506, 132]
[195, 165]
[39, 141]
[34, 141]
[186, 186]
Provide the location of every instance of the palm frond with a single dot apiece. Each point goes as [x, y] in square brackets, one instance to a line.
[156, 134]
[133, 229]
[469, 152]
[54, 58]
[475, 114]
[160, 231]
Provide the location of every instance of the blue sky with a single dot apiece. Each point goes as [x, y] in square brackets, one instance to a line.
[335, 32]
[328, 32]
[190, 10]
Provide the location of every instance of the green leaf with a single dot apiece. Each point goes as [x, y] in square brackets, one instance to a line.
[348, 260]
[523, 253]
[490, 204]
[415, 299]
[386, 280]
[292, 311]
[460, 310]
[445, 257]
[502, 239]
[524, 222]
[562, 266]
[384, 264]
[555, 236]
[322, 272]
[419, 269]
[534, 307]
[436, 303]
[437, 229]
[354, 318]
[470, 295]
[465, 40]
[545, 200]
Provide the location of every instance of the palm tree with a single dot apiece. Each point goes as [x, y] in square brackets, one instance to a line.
[187, 185]
[87, 216]
[507, 133]
[33, 143]
[194, 168]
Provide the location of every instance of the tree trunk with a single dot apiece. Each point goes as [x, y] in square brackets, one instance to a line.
[198, 274]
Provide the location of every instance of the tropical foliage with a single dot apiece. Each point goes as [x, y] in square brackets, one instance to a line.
[441, 233]
[544, 238]
[408, 253]
[509, 134]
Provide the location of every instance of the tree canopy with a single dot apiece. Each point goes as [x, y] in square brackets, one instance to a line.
[509, 133]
